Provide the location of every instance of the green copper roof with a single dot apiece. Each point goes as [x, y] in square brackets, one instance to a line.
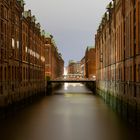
[43, 32]
[33, 18]
[71, 61]
[54, 43]
[27, 13]
[90, 47]
[110, 5]
[47, 35]
[22, 3]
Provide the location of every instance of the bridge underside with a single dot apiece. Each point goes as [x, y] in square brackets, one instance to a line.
[71, 81]
[91, 84]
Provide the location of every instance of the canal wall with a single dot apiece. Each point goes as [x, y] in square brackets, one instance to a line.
[26, 99]
[52, 87]
[125, 105]
[91, 86]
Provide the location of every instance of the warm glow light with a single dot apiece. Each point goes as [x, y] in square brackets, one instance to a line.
[65, 71]
[66, 86]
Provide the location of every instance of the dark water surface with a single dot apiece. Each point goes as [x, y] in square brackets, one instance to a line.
[72, 113]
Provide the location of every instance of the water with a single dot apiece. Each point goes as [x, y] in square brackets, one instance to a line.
[72, 113]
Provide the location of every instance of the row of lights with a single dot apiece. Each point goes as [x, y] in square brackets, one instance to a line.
[30, 51]
[35, 54]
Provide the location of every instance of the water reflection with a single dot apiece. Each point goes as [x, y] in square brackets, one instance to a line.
[72, 88]
[75, 115]
[70, 85]
[66, 86]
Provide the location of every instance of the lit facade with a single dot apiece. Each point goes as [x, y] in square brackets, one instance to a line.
[74, 67]
[22, 57]
[118, 58]
[90, 62]
[54, 64]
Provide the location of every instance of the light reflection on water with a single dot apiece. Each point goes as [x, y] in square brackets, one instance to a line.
[73, 88]
[72, 116]
[66, 85]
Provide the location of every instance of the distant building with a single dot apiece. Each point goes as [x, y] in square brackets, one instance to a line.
[74, 67]
[54, 65]
[90, 62]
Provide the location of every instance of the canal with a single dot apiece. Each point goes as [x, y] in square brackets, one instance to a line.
[72, 113]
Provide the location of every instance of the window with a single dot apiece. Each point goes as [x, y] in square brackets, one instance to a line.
[2, 11]
[13, 43]
[139, 28]
[139, 72]
[15, 73]
[24, 74]
[12, 73]
[5, 71]
[2, 26]
[9, 72]
[1, 73]
[1, 89]
[18, 44]
[119, 78]
[130, 73]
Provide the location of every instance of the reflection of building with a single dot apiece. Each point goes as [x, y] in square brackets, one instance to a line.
[90, 62]
[54, 66]
[118, 57]
[74, 67]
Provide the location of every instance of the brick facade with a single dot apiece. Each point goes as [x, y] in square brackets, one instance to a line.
[54, 64]
[90, 62]
[118, 55]
[74, 67]
[22, 53]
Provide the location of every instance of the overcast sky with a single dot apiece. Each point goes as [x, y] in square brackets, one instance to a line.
[73, 23]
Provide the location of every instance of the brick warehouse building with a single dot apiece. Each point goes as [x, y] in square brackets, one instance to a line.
[90, 62]
[74, 67]
[118, 58]
[10, 25]
[22, 53]
[54, 64]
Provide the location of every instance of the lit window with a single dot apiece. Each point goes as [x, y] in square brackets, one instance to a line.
[26, 49]
[13, 43]
[18, 44]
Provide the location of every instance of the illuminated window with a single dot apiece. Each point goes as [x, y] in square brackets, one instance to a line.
[5, 71]
[18, 44]
[13, 43]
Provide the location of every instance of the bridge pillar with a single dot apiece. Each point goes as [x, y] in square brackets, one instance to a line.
[49, 88]
[91, 86]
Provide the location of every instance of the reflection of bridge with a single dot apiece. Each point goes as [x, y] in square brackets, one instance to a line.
[72, 81]
[52, 84]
